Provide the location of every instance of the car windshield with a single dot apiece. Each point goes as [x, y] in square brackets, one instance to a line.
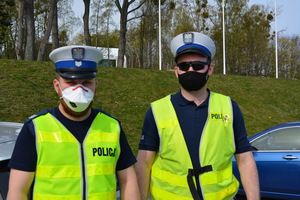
[287, 138]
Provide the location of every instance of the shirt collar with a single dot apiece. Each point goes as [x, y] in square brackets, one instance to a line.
[183, 101]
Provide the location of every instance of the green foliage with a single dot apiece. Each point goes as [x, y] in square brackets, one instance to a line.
[26, 88]
[184, 28]
[270, 17]
[249, 48]
[172, 5]
[184, 22]
[249, 41]
[7, 12]
[155, 2]
[205, 15]
[110, 39]
[63, 38]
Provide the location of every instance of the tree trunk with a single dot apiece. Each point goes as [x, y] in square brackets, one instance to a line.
[86, 15]
[123, 27]
[122, 40]
[55, 38]
[20, 44]
[45, 39]
[30, 30]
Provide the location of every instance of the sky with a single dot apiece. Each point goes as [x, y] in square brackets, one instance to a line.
[288, 14]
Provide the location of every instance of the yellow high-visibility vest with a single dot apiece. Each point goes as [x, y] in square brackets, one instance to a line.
[68, 170]
[172, 163]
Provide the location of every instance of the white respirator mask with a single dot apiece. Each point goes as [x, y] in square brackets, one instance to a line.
[78, 98]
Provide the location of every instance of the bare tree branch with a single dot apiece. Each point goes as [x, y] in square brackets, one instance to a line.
[142, 3]
[135, 17]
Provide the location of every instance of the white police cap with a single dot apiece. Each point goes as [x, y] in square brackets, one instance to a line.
[76, 62]
[193, 42]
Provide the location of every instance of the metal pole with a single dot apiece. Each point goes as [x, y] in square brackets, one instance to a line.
[224, 52]
[276, 48]
[159, 33]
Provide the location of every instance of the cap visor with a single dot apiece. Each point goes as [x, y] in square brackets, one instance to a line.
[192, 50]
[77, 73]
[74, 75]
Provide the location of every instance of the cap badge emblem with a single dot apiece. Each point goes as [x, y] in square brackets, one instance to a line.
[78, 53]
[188, 38]
[78, 63]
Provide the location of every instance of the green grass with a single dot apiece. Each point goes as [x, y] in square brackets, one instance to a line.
[26, 88]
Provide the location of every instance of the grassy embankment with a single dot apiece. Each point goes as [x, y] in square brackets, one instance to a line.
[26, 88]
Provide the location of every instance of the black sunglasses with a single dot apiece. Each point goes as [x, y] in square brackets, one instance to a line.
[197, 65]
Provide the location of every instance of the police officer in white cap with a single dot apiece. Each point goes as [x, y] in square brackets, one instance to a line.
[73, 151]
[188, 138]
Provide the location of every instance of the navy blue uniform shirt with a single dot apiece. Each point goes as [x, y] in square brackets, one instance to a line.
[192, 119]
[25, 156]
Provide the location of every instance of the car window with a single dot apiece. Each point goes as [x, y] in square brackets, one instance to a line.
[287, 138]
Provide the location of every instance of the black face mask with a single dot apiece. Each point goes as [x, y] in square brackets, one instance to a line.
[192, 81]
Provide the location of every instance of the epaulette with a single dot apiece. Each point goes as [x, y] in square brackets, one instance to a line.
[43, 112]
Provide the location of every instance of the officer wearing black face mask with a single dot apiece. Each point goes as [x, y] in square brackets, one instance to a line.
[188, 138]
[193, 60]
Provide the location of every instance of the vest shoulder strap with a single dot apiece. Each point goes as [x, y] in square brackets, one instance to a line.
[105, 113]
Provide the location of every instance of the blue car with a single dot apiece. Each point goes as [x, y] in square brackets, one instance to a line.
[277, 155]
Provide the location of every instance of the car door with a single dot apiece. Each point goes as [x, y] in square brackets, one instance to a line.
[277, 157]
[278, 172]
